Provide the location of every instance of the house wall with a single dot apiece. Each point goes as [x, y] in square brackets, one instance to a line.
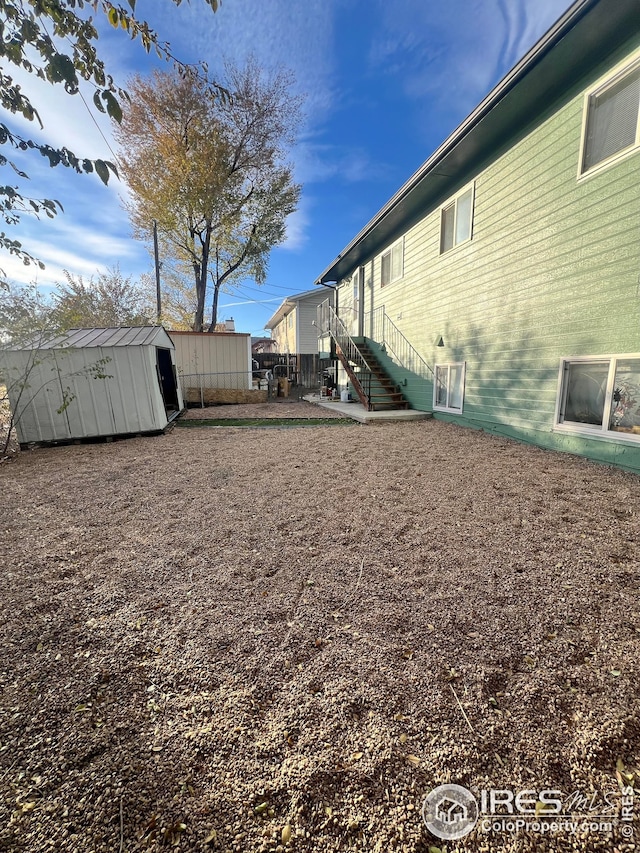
[551, 271]
[285, 333]
[307, 333]
[222, 358]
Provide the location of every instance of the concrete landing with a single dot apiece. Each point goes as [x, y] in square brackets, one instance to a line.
[358, 412]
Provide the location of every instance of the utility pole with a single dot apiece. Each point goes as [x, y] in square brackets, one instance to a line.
[155, 254]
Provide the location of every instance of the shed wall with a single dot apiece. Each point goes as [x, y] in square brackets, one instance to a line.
[125, 399]
[223, 358]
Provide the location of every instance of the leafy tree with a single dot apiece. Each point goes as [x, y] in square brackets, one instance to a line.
[108, 300]
[23, 313]
[56, 40]
[211, 172]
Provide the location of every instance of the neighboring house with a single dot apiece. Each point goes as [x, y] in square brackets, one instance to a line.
[260, 345]
[293, 326]
[509, 262]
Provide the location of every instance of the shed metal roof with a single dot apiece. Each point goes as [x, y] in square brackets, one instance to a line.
[124, 336]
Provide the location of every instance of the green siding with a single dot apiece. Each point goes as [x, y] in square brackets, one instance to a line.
[416, 390]
[552, 270]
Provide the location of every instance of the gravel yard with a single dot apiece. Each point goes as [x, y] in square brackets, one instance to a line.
[267, 640]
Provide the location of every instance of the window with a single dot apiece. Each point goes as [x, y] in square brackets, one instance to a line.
[456, 220]
[392, 263]
[611, 119]
[448, 388]
[600, 396]
[290, 321]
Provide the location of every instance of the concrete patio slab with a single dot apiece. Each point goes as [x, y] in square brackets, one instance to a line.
[358, 412]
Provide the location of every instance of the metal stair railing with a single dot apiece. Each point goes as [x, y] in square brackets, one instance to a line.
[347, 351]
[384, 331]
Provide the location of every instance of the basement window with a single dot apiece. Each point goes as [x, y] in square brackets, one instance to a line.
[456, 220]
[611, 126]
[392, 263]
[600, 397]
[448, 388]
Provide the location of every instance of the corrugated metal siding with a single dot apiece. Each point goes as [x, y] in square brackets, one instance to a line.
[552, 270]
[214, 355]
[128, 400]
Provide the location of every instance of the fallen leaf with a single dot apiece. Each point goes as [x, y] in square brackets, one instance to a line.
[357, 756]
[413, 759]
[211, 837]
[286, 833]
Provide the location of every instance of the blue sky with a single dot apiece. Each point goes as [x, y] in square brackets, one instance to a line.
[385, 82]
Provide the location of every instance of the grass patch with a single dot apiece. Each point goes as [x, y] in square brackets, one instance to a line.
[263, 422]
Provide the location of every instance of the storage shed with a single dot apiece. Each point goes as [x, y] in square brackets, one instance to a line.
[88, 383]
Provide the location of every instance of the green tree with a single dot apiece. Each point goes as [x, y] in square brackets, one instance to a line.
[24, 314]
[212, 173]
[108, 300]
[56, 40]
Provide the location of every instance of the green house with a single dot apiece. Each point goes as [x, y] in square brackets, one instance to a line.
[500, 286]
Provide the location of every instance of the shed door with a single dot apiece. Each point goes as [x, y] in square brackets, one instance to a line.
[167, 379]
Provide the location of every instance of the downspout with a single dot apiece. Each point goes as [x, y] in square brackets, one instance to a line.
[333, 287]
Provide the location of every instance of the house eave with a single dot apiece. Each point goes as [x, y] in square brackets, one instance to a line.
[287, 305]
[586, 33]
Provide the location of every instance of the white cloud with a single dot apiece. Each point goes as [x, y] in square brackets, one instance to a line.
[318, 162]
[295, 35]
[449, 55]
[297, 225]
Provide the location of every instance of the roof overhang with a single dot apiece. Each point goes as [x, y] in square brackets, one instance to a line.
[288, 305]
[284, 309]
[587, 32]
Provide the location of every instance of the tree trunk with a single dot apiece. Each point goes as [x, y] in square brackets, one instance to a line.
[214, 308]
[198, 320]
[201, 268]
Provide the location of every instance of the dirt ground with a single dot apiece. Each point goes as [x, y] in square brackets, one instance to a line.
[268, 640]
[281, 407]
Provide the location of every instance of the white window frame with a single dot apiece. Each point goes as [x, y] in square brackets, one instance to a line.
[395, 249]
[595, 431]
[628, 66]
[453, 201]
[449, 365]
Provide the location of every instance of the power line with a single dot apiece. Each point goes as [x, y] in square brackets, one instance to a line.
[86, 106]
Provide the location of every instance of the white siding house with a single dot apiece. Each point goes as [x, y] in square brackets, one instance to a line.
[293, 324]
